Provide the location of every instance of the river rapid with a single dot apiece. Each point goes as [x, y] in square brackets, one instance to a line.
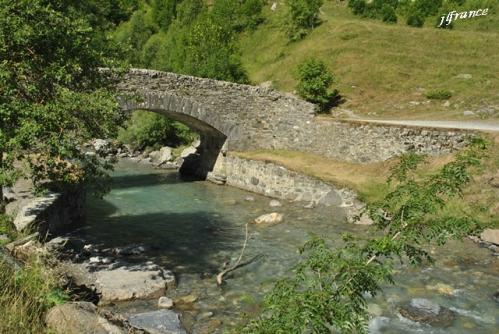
[194, 227]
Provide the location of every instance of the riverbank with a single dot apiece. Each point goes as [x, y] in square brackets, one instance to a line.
[103, 266]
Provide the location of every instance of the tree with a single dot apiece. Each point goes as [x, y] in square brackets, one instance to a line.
[53, 98]
[326, 293]
[164, 12]
[303, 17]
[315, 79]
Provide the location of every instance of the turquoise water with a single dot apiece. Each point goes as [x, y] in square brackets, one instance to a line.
[193, 228]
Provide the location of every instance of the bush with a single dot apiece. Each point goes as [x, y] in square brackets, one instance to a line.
[415, 20]
[388, 14]
[315, 80]
[358, 6]
[303, 17]
[440, 94]
[147, 129]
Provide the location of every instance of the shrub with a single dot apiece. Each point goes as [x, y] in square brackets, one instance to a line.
[358, 6]
[415, 20]
[315, 80]
[303, 17]
[147, 129]
[439, 94]
[388, 14]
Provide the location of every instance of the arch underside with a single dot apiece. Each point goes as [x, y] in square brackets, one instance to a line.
[206, 124]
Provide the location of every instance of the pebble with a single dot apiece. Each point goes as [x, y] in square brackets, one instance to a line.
[165, 302]
[275, 203]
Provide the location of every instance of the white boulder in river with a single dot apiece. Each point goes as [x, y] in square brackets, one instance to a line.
[123, 283]
[269, 218]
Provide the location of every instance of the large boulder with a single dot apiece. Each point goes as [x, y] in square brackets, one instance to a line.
[491, 236]
[165, 155]
[188, 151]
[29, 213]
[77, 318]
[158, 322]
[426, 312]
[270, 218]
[102, 146]
[124, 283]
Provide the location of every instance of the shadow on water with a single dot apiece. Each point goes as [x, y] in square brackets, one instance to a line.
[145, 180]
[191, 240]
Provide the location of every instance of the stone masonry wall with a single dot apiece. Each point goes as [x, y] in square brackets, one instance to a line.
[275, 181]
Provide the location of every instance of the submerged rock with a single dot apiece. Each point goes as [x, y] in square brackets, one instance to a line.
[270, 218]
[426, 312]
[185, 302]
[275, 203]
[249, 198]
[77, 318]
[158, 322]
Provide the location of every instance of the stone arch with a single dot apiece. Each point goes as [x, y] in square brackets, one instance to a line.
[211, 128]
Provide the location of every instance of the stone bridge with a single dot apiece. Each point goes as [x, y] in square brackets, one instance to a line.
[234, 117]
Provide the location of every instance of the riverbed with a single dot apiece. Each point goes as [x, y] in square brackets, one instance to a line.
[195, 227]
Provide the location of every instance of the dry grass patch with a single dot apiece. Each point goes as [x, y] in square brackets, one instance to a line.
[481, 197]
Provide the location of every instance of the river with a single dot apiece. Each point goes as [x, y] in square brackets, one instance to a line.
[194, 227]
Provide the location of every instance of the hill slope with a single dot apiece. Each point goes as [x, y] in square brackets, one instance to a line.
[385, 70]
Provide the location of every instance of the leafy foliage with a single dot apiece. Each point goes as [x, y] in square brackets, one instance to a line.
[187, 36]
[326, 293]
[388, 14]
[52, 95]
[303, 17]
[315, 79]
[147, 129]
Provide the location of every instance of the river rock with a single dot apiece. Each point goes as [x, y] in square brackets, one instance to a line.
[274, 203]
[425, 311]
[491, 236]
[249, 198]
[165, 155]
[165, 302]
[77, 318]
[125, 283]
[30, 212]
[185, 302]
[158, 322]
[269, 218]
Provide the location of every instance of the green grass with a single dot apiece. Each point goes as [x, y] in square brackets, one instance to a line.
[385, 70]
[26, 296]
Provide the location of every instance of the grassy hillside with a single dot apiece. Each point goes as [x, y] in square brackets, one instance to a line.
[383, 70]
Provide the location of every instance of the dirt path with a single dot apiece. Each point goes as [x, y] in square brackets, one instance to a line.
[464, 125]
